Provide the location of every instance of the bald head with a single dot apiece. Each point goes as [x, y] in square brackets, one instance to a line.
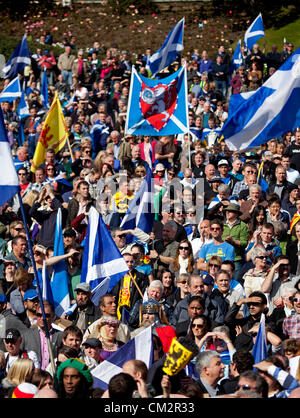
[46, 393]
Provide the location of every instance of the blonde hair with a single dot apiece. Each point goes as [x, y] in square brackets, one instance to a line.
[20, 371]
[31, 197]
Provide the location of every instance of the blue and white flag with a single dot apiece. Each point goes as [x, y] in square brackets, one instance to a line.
[59, 279]
[157, 107]
[12, 91]
[99, 133]
[102, 264]
[138, 348]
[23, 109]
[44, 91]
[260, 349]
[254, 32]
[167, 54]
[9, 182]
[45, 284]
[140, 213]
[268, 112]
[18, 60]
[237, 59]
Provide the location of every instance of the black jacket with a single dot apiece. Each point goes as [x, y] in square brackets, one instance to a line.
[92, 314]
[291, 252]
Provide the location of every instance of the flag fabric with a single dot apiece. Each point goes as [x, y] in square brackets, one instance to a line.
[44, 91]
[138, 348]
[268, 112]
[260, 180]
[167, 54]
[237, 59]
[18, 60]
[254, 32]
[157, 107]
[12, 91]
[54, 134]
[59, 279]
[99, 133]
[44, 284]
[140, 213]
[260, 349]
[9, 183]
[102, 265]
[23, 109]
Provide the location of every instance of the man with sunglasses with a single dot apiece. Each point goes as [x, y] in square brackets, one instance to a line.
[291, 324]
[8, 320]
[249, 170]
[277, 280]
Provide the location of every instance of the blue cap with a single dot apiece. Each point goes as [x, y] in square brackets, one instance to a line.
[30, 294]
[2, 298]
[208, 279]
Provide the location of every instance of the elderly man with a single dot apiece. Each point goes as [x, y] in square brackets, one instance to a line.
[255, 199]
[211, 369]
[65, 63]
[249, 170]
[119, 146]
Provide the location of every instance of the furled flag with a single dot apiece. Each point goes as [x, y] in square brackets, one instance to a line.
[18, 60]
[260, 179]
[157, 107]
[140, 213]
[59, 279]
[167, 54]
[254, 32]
[23, 112]
[260, 349]
[268, 112]
[237, 60]
[54, 134]
[138, 348]
[12, 91]
[102, 264]
[44, 91]
[9, 183]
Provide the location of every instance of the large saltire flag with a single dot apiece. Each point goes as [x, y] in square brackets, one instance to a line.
[167, 54]
[18, 60]
[254, 32]
[54, 134]
[157, 107]
[256, 117]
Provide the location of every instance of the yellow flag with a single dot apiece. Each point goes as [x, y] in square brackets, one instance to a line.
[54, 134]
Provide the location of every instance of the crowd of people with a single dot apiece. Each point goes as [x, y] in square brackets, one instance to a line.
[223, 250]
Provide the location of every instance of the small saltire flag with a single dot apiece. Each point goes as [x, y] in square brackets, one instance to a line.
[237, 60]
[9, 183]
[44, 91]
[268, 112]
[54, 134]
[138, 348]
[157, 107]
[59, 279]
[18, 60]
[140, 213]
[254, 32]
[102, 264]
[12, 91]
[260, 179]
[260, 349]
[23, 109]
[167, 54]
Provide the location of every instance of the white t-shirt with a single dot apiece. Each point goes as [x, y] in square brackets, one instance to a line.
[31, 355]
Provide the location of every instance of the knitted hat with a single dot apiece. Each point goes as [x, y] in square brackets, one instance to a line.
[25, 390]
[78, 365]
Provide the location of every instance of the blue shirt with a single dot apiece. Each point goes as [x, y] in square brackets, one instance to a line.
[224, 250]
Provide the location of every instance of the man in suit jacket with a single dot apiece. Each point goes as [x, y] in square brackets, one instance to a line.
[281, 186]
[211, 369]
[35, 338]
[120, 147]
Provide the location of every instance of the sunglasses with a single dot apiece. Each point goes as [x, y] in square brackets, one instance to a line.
[216, 229]
[37, 253]
[183, 282]
[253, 304]
[197, 326]
[22, 174]
[191, 213]
[296, 300]
[10, 340]
[121, 236]
[183, 248]
[47, 315]
[214, 265]
[261, 257]
[244, 387]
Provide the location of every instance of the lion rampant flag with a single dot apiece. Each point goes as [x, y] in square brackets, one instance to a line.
[54, 134]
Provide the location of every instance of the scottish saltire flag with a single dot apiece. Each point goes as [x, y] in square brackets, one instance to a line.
[260, 349]
[44, 91]
[254, 32]
[237, 59]
[140, 213]
[167, 54]
[12, 91]
[44, 284]
[102, 265]
[138, 348]
[59, 279]
[23, 109]
[18, 60]
[157, 107]
[99, 133]
[268, 112]
[9, 183]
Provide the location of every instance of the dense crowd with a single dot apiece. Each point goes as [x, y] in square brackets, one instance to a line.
[223, 250]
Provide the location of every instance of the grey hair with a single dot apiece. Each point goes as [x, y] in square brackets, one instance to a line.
[222, 328]
[172, 224]
[156, 283]
[224, 188]
[257, 251]
[203, 359]
[254, 186]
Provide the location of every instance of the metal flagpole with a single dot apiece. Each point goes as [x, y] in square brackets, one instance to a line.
[187, 116]
[38, 285]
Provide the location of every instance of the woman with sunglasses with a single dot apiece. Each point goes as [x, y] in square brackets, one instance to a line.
[184, 260]
[50, 174]
[182, 289]
[255, 277]
[199, 328]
